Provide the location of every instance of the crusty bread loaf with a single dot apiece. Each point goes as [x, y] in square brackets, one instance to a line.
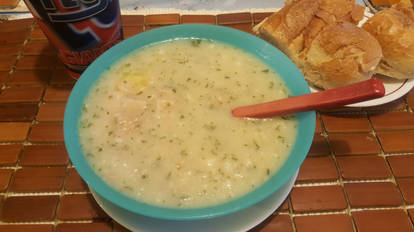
[394, 29]
[286, 25]
[322, 39]
[342, 10]
[298, 22]
[341, 54]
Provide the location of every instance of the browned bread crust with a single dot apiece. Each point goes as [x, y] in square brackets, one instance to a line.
[322, 39]
[283, 27]
[394, 29]
[341, 54]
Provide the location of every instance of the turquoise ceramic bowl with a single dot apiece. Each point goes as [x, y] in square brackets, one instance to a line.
[263, 50]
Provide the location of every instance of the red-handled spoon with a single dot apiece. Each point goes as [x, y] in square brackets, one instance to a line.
[362, 91]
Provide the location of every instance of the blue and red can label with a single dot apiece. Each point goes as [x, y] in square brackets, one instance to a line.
[80, 30]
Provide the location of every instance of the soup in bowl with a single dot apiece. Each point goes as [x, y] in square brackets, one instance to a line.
[148, 125]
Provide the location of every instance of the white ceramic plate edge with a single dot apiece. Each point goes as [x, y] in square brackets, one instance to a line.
[394, 89]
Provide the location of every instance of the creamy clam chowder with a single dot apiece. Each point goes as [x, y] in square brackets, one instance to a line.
[158, 126]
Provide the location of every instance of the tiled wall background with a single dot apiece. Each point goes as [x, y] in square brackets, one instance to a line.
[358, 175]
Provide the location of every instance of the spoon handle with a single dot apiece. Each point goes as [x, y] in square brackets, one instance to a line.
[358, 92]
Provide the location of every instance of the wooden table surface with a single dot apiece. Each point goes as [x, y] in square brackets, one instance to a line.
[358, 175]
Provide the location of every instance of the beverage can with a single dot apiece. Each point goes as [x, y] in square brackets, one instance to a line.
[80, 30]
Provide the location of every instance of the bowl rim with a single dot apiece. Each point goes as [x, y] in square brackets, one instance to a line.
[273, 57]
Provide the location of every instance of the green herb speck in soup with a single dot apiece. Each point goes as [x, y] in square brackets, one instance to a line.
[158, 126]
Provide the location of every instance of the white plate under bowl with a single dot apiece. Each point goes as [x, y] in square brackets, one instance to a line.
[394, 89]
[239, 221]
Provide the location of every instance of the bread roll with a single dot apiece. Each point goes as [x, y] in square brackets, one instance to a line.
[341, 54]
[322, 39]
[342, 10]
[298, 22]
[394, 29]
[286, 25]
